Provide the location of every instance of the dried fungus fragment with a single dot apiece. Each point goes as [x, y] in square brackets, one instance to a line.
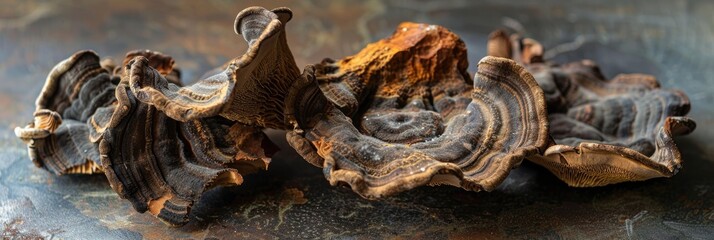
[58, 137]
[164, 64]
[401, 113]
[167, 164]
[605, 131]
[520, 49]
[406, 114]
[159, 164]
[252, 88]
[162, 145]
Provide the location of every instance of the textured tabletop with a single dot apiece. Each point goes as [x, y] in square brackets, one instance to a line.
[668, 39]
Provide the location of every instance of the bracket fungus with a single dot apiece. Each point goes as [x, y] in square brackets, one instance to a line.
[408, 114]
[604, 131]
[401, 113]
[159, 164]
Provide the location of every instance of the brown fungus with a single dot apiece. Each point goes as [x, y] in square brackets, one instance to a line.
[401, 113]
[163, 64]
[251, 89]
[172, 162]
[408, 114]
[58, 138]
[605, 131]
[159, 144]
[159, 164]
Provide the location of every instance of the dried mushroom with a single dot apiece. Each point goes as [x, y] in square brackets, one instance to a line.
[408, 114]
[605, 131]
[58, 138]
[401, 113]
[252, 88]
[159, 164]
[159, 144]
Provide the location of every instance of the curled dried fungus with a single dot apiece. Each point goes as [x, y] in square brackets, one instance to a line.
[401, 113]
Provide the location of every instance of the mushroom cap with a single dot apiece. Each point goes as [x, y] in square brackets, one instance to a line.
[249, 90]
[57, 138]
[406, 114]
[605, 131]
[624, 119]
[88, 121]
[163, 165]
[162, 145]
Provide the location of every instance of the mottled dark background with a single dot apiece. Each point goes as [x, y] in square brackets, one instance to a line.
[671, 39]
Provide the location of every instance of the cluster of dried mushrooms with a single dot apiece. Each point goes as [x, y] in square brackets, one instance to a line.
[402, 113]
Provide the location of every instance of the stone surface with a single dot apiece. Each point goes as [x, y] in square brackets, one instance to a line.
[662, 38]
